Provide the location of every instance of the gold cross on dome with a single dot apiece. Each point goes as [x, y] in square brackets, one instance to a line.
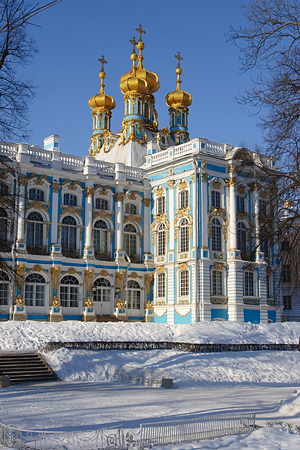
[102, 60]
[178, 57]
[140, 30]
[133, 42]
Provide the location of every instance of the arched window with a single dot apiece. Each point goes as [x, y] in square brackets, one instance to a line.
[35, 290]
[160, 205]
[34, 239]
[173, 120]
[4, 284]
[100, 239]
[130, 208]
[241, 238]
[3, 230]
[184, 236]
[127, 107]
[133, 295]
[217, 282]
[146, 111]
[70, 199]
[161, 239]
[100, 203]
[68, 237]
[183, 199]
[161, 285]
[69, 291]
[102, 290]
[130, 240]
[184, 283]
[36, 194]
[216, 244]
[106, 123]
[95, 122]
[139, 109]
[183, 120]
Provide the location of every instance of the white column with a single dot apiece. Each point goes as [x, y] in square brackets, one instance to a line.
[171, 214]
[232, 215]
[21, 215]
[119, 225]
[204, 177]
[256, 217]
[147, 224]
[55, 188]
[88, 251]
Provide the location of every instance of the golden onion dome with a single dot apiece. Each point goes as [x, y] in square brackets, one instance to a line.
[101, 100]
[178, 98]
[150, 79]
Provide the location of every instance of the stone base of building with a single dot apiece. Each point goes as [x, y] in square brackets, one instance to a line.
[56, 317]
[19, 316]
[89, 318]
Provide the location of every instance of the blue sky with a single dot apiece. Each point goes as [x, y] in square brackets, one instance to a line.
[74, 34]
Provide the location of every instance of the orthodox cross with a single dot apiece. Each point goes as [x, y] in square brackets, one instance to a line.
[140, 30]
[178, 57]
[102, 60]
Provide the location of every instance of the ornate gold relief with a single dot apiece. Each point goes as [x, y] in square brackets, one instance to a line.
[104, 273]
[89, 192]
[37, 205]
[19, 300]
[231, 169]
[216, 212]
[103, 215]
[71, 210]
[183, 185]
[255, 186]
[55, 302]
[231, 182]
[134, 275]
[71, 184]
[88, 278]
[160, 269]
[182, 315]
[89, 303]
[141, 238]
[148, 280]
[193, 177]
[241, 189]
[204, 177]
[219, 265]
[55, 274]
[216, 185]
[133, 218]
[160, 192]
[120, 278]
[23, 181]
[55, 187]
[171, 171]
[183, 266]
[147, 202]
[171, 183]
[149, 306]
[119, 196]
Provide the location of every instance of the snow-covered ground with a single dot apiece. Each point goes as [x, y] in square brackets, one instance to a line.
[265, 382]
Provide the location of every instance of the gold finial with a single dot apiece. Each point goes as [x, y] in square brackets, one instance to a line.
[133, 55]
[178, 71]
[102, 74]
[140, 45]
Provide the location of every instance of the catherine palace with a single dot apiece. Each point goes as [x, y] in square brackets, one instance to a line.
[149, 226]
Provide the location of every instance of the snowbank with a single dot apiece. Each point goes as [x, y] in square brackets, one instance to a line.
[32, 335]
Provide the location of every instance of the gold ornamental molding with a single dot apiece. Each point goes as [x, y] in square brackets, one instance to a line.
[255, 186]
[133, 218]
[193, 177]
[231, 169]
[102, 214]
[89, 192]
[160, 269]
[147, 202]
[183, 315]
[133, 195]
[148, 280]
[231, 182]
[120, 279]
[183, 185]
[23, 181]
[149, 306]
[71, 210]
[216, 185]
[37, 205]
[104, 273]
[134, 275]
[241, 189]
[71, 184]
[171, 183]
[160, 191]
[71, 271]
[38, 179]
[55, 187]
[119, 196]
[221, 212]
[184, 266]
[218, 266]
[204, 177]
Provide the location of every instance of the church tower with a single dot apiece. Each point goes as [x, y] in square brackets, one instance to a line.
[138, 87]
[178, 102]
[101, 105]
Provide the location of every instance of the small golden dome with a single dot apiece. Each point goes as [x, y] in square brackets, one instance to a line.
[149, 78]
[178, 98]
[101, 100]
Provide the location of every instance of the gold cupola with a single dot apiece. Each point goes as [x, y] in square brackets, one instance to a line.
[101, 100]
[129, 82]
[101, 105]
[178, 98]
[178, 102]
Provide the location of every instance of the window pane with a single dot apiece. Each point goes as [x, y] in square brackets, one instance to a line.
[161, 285]
[215, 199]
[184, 283]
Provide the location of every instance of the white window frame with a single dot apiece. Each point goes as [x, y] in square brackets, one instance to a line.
[217, 281]
[161, 285]
[250, 282]
[184, 283]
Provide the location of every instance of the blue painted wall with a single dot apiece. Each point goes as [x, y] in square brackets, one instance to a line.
[162, 319]
[272, 315]
[179, 320]
[219, 314]
[252, 315]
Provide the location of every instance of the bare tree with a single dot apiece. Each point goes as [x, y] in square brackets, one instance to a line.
[16, 49]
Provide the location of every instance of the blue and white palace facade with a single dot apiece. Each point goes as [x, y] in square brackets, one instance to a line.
[149, 226]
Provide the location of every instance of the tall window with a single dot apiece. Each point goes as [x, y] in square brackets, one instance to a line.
[133, 295]
[146, 111]
[217, 282]
[69, 291]
[106, 123]
[269, 286]
[34, 240]
[36, 194]
[287, 302]
[130, 208]
[286, 273]
[241, 238]
[70, 199]
[264, 240]
[3, 189]
[184, 236]
[183, 199]
[248, 284]
[3, 228]
[68, 235]
[183, 119]
[173, 120]
[100, 236]
[139, 109]
[215, 199]
[161, 240]
[130, 239]
[184, 283]
[240, 203]
[262, 208]
[102, 291]
[35, 290]
[4, 283]
[100, 203]
[216, 244]
[161, 205]
[161, 285]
